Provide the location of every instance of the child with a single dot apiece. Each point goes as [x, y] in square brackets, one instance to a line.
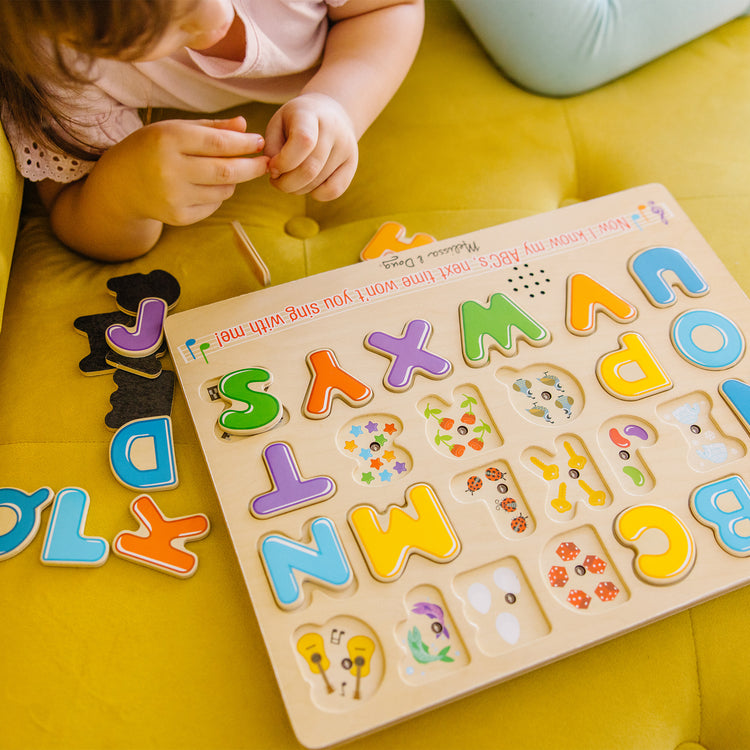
[74, 73]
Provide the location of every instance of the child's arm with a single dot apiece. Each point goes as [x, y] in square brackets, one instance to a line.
[173, 172]
[312, 140]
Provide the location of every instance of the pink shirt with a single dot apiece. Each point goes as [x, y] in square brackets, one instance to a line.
[284, 44]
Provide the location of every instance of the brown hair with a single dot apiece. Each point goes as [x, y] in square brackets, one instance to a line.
[35, 35]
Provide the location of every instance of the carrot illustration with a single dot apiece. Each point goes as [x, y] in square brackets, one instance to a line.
[428, 412]
[441, 440]
[468, 417]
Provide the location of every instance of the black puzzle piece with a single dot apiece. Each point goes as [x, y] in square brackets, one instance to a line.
[130, 289]
[94, 327]
[139, 398]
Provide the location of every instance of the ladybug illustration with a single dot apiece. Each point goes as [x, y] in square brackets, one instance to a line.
[473, 484]
[518, 524]
[508, 504]
[493, 474]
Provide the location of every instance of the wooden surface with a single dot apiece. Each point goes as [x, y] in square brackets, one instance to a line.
[506, 569]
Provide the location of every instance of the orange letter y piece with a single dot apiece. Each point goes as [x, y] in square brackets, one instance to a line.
[160, 541]
[328, 380]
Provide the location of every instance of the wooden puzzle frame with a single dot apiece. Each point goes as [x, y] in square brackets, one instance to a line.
[444, 467]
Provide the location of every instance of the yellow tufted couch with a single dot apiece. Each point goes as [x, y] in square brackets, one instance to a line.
[123, 657]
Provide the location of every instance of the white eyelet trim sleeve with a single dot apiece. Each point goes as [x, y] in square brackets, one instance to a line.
[35, 162]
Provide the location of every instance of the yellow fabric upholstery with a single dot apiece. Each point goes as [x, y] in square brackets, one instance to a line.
[10, 207]
[123, 657]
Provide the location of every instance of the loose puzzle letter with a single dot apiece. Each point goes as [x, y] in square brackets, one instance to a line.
[141, 455]
[160, 542]
[145, 337]
[27, 513]
[65, 543]
[391, 236]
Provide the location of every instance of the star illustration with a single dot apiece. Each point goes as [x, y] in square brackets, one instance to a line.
[389, 455]
[385, 475]
[399, 467]
[368, 477]
[390, 428]
[356, 430]
[375, 463]
[382, 439]
[371, 426]
[365, 454]
[350, 445]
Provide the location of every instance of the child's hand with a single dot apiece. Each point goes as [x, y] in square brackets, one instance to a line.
[180, 171]
[313, 147]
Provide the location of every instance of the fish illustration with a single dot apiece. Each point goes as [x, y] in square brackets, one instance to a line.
[434, 613]
[421, 651]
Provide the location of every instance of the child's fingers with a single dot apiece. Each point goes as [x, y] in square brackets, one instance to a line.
[238, 123]
[225, 171]
[302, 138]
[336, 183]
[328, 156]
[208, 138]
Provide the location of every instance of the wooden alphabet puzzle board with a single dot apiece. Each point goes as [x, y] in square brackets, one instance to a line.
[445, 467]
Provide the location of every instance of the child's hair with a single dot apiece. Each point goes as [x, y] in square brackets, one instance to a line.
[35, 36]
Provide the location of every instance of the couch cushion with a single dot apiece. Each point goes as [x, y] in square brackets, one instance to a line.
[10, 208]
[124, 657]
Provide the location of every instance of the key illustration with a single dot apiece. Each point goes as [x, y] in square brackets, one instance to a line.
[571, 477]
